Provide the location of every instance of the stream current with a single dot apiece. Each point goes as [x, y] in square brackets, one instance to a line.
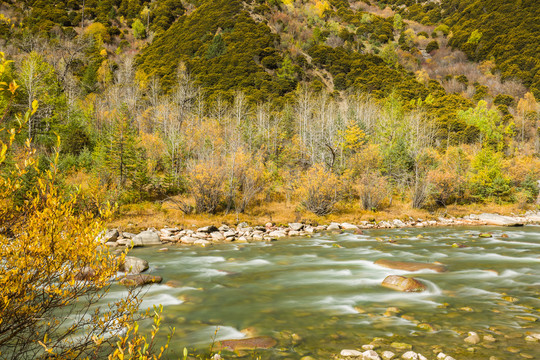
[319, 295]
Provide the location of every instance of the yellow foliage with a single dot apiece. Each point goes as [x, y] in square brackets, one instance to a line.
[319, 190]
[98, 31]
[321, 6]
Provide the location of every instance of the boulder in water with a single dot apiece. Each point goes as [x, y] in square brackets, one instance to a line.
[259, 342]
[140, 280]
[133, 265]
[410, 266]
[401, 283]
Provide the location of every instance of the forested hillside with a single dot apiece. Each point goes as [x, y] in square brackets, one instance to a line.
[323, 105]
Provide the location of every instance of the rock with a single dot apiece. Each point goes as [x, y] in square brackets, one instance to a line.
[145, 238]
[370, 355]
[109, 235]
[188, 240]
[485, 235]
[133, 265]
[173, 283]
[268, 225]
[368, 347]
[401, 283]
[388, 355]
[277, 234]
[260, 342]
[421, 357]
[347, 352]
[208, 229]
[489, 338]
[128, 235]
[202, 242]
[111, 244]
[296, 226]
[294, 233]
[229, 234]
[163, 250]
[399, 223]
[242, 225]
[347, 226]
[410, 355]
[441, 356]
[140, 280]
[242, 240]
[85, 274]
[333, 227]
[217, 236]
[473, 338]
[410, 266]
[499, 220]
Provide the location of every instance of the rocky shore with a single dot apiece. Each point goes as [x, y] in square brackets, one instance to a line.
[244, 233]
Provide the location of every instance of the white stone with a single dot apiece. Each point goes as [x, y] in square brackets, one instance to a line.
[229, 234]
[333, 227]
[421, 357]
[346, 352]
[388, 355]
[370, 355]
[347, 226]
[441, 356]
[188, 240]
[258, 237]
[399, 223]
[277, 234]
[410, 355]
[217, 236]
[294, 233]
[149, 237]
[368, 347]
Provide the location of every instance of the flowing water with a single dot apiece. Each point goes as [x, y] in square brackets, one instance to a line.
[326, 290]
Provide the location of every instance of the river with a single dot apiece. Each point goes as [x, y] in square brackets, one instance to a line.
[322, 294]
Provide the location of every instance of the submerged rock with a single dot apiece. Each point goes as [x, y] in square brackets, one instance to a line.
[410, 266]
[473, 338]
[401, 283]
[140, 280]
[260, 342]
[388, 355]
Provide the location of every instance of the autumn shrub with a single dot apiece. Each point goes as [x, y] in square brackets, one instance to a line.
[207, 186]
[53, 270]
[319, 190]
[374, 191]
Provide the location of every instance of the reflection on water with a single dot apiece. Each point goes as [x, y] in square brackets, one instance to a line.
[332, 299]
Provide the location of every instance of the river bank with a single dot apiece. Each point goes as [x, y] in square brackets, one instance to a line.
[246, 233]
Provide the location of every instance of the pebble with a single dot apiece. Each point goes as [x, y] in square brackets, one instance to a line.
[388, 355]
[410, 355]
[370, 355]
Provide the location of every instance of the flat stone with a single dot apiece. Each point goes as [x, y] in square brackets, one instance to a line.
[146, 238]
[188, 240]
[217, 236]
[499, 220]
[370, 355]
[109, 235]
[347, 226]
[388, 355]
[277, 234]
[401, 283]
[347, 352]
[260, 342]
[401, 346]
[410, 266]
[229, 233]
[140, 280]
